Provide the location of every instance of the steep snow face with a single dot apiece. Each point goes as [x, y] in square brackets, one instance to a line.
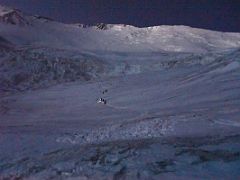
[109, 37]
[33, 68]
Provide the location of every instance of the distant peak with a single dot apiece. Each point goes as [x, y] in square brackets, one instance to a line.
[12, 16]
[4, 10]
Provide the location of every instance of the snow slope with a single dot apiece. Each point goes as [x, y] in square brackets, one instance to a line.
[182, 121]
[173, 101]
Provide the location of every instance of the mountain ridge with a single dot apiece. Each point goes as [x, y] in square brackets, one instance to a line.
[5, 10]
[27, 30]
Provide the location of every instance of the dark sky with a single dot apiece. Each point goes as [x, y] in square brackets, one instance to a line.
[223, 15]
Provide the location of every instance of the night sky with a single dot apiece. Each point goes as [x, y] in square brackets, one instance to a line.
[222, 15]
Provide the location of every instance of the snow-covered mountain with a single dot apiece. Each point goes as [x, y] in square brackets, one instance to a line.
[172, 101]
[26, 30]
[38, 50]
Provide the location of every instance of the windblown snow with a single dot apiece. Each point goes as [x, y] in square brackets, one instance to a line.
[172, 101]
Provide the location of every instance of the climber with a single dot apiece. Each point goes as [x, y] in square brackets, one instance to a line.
[101, 100]
[105, 91]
